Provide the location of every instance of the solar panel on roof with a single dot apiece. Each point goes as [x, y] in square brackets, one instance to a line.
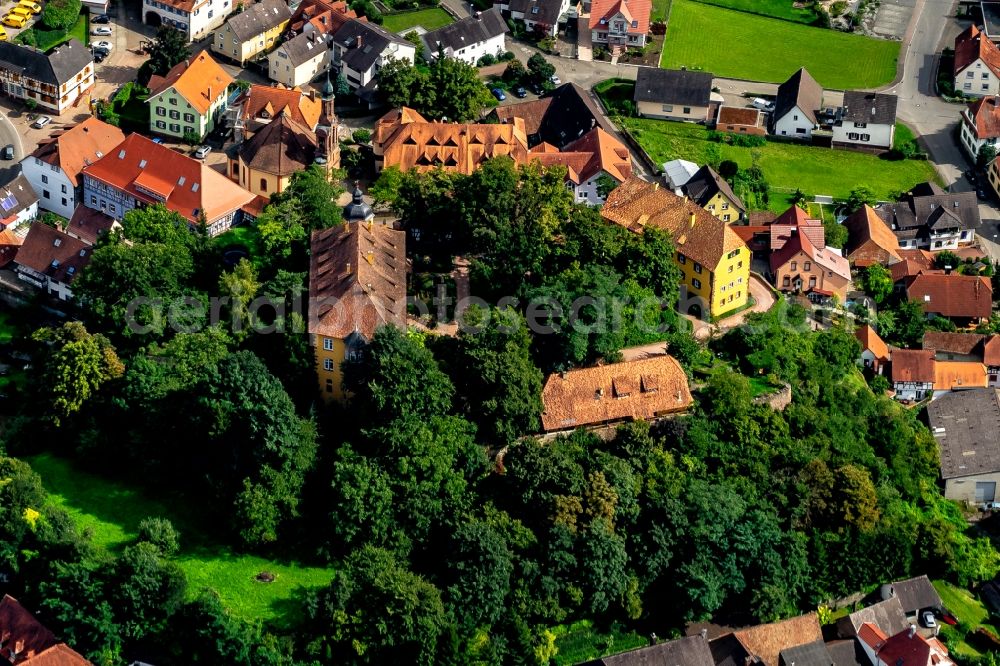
[8, 202]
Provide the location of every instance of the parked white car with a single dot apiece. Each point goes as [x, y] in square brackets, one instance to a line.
[202, 152]
[927, 617]
[103, 44]
[989, 506]
[762, 104]
[102, 31]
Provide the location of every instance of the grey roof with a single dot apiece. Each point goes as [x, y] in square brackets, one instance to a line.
[847, 653]
[810, 654]
[571, 114]
[304, 47]
[539, 11]
[965, 425]
[468, 31]
[363, 43]
[914, 594]
[917, 214]
[688, 651]
[357, 210]
[258, 18]
[17, 195]
[55, 68]
[886, 615]
[800, 90]
[871, 108]
[673, 86]
[705, 184]
[728, 651]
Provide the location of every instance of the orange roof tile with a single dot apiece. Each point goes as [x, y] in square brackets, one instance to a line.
[200, 81]
[636, 12]
[912, 365]
[631, 390]
[905, 649]
[825, 257]
[610, 155]
[871, 635]
[153, 173]
[80, 145]
[357, 280]
[973, 45]
[871, 341]
[405, 140]
[263, 103]
[697, 233]
[871, 241]
[959, 374]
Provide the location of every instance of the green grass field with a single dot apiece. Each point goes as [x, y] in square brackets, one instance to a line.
[745, 46]
[429, 19]
[786, 166]
[112, 511]
[781, 9]
[966, 608]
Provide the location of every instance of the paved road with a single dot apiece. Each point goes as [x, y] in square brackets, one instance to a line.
[932, 118]
[9, 134]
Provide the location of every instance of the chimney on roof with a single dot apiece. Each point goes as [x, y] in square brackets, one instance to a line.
[357, 41]
[348, 270]
[947, 269]
[370, 257]
[692, 220]
[704, 634]
[913, 630]
[312, 95]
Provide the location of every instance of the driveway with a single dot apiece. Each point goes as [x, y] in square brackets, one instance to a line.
[763, 297]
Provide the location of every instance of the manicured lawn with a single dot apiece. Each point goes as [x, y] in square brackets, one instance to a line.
[112, 512]
[429, 19]
[782, 9]
[745, 46]
[580, 642]
[786, 166]
[46, 40]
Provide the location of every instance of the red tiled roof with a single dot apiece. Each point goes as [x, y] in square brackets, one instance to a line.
[949, 375]
[991, 351]
[908, 649]
[357, 280]
[640, 389]
[88, 224]
[733, 115]
[871, 241]
[972, 45]
[200, 81]
[871, 635]
[634, 11]
[45, 246]
[871, 341]
[952, 295]
[912, 365]
[954, 343]
[184, 185]
[592, 153]
[825, 257]
[33, 642]
[985, 114]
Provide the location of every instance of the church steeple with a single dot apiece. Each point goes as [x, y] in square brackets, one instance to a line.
[328, 128]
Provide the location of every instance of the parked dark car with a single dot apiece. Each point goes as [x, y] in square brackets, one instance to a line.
[521, 92]
[100, 56]
[981, 192]
[101, 18]
[498, 94]
[8, 152]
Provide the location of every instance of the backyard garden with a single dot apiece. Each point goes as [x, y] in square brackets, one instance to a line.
[719, 40]
[429, 19]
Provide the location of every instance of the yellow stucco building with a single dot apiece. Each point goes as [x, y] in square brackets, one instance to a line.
[713, 260]
[252, 32]
[711, 191]
[357, 284]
